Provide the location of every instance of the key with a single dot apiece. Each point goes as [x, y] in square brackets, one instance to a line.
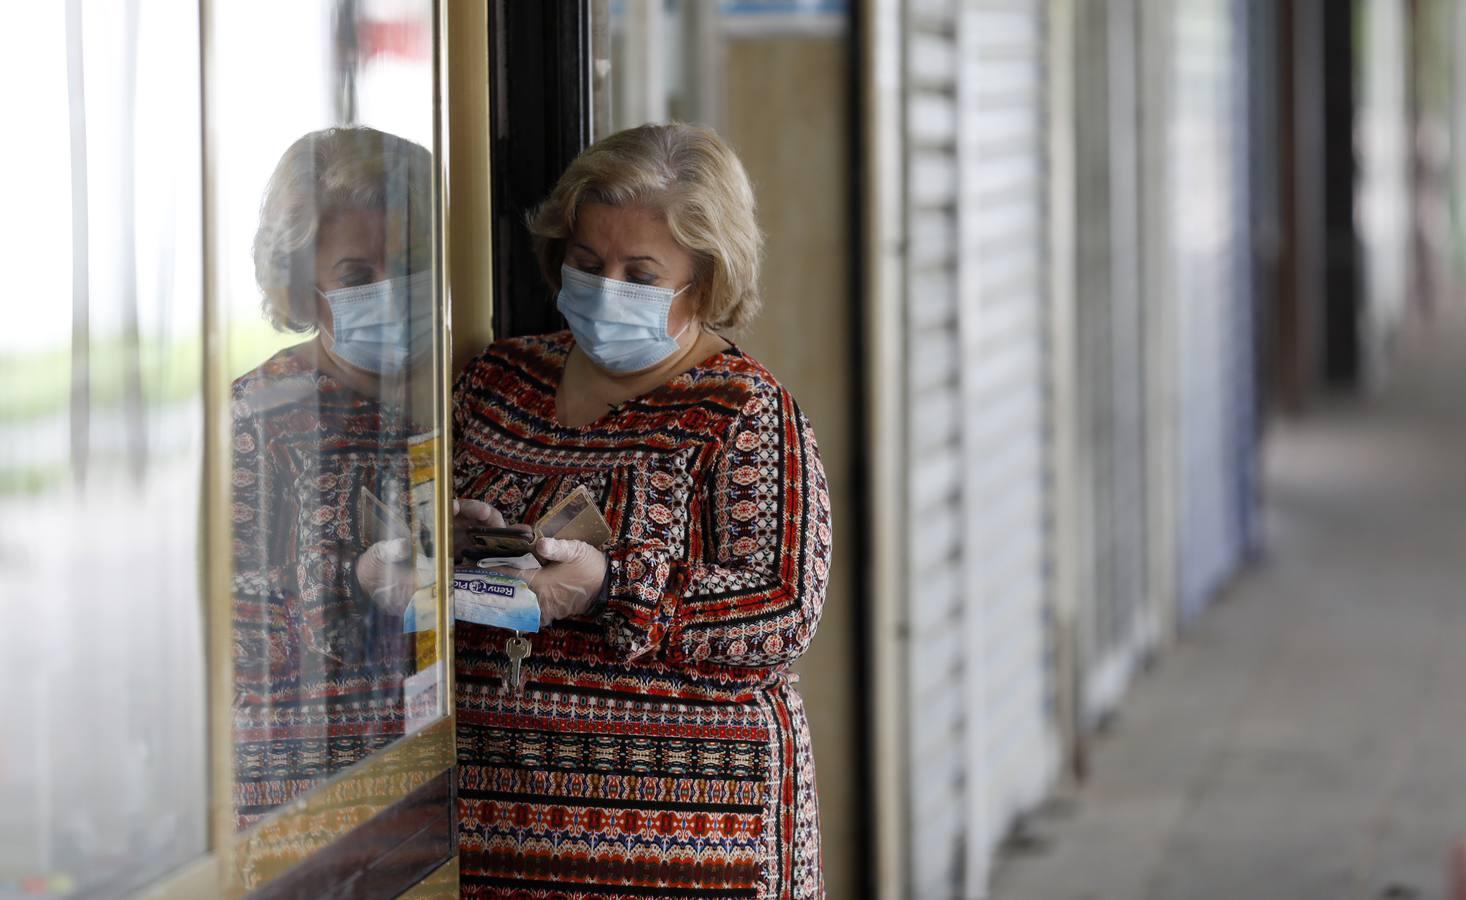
[518, 648]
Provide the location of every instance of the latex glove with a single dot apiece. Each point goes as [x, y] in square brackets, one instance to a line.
[469, 513]
[569, 580]
[476, 512]
[386, 573]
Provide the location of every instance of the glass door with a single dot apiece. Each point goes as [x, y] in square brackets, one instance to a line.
[223, 460]
[323, 237]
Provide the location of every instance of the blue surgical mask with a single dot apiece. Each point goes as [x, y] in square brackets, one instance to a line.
[385, 326]
[619, 326]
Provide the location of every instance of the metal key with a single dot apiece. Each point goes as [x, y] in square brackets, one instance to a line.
[518, 648]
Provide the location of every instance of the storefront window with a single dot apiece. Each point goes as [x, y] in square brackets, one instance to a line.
[671, 60]
[656, 61]
[320, 120]
[298, 265]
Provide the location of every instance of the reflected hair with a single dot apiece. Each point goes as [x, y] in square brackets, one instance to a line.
[695, 180]
[321, 175]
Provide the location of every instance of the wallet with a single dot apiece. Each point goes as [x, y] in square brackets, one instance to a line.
[574, 518]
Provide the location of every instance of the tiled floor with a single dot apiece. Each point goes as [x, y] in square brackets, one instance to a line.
[1307, 739]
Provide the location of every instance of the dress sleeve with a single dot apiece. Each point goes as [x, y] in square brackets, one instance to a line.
[462, 384]
[260, 629]
[753, 594]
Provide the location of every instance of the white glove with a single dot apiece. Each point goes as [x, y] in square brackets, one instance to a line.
[386, 573]
[569, 581]
[476, 512]
[470, 513]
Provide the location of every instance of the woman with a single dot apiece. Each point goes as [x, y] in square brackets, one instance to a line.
[322, 432]
[653, 744]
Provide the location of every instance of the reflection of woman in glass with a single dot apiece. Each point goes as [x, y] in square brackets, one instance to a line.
[322, 433]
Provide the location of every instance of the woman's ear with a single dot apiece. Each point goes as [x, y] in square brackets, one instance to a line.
[701, 289]
[700, 299]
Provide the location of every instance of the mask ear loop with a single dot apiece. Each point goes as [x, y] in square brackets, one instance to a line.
[690, 320]
[327, 339]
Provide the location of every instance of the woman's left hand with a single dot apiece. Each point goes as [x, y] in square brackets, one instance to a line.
[386, 573]
[570, 580]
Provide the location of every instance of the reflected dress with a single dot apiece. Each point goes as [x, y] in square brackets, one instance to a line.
[658, 747]
[318, 669]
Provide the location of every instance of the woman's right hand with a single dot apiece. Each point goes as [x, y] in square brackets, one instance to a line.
[386, 573]
[475, 513]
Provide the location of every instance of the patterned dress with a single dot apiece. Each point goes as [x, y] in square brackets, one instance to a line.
[658, 748]
[318, 669]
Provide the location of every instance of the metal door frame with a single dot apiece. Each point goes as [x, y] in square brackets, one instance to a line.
[540, 120]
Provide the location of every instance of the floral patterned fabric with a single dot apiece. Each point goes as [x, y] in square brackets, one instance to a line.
[658, 748]
[318, 669]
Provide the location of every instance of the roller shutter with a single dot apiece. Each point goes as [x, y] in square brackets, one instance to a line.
[1118, 622]
[1216, 378]
[979, 740]
[939, 728]
[1003, 230]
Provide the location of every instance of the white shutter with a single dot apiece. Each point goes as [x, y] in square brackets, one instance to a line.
[1118, 624]
[1215, 374]
[938, 733]
[1012, 753]
[1385, 202]
[980, 746]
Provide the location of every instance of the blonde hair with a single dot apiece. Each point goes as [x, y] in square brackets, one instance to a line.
[695, 180]
[325, 173]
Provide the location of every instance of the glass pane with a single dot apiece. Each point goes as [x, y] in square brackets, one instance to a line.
[669, 60]
[655, 61]
[320, 120]
[103, 779]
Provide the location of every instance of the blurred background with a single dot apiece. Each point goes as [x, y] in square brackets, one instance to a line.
[1132, 331]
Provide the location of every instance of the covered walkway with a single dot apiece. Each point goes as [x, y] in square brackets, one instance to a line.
[1307, 737]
